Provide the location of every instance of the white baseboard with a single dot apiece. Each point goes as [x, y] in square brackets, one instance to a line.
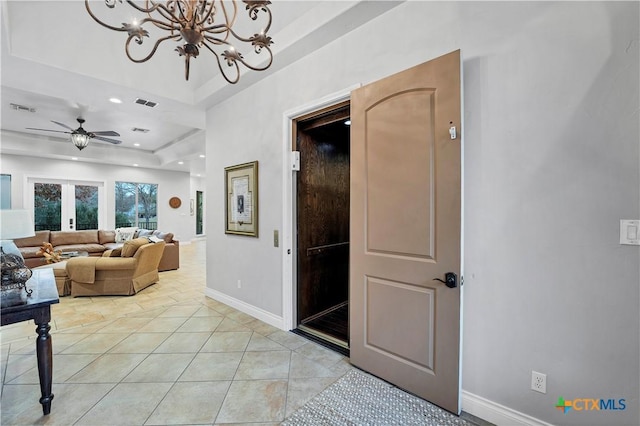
[248, 309]
[496, 413]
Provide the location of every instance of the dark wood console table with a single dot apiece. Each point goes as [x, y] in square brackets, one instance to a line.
[38, 309]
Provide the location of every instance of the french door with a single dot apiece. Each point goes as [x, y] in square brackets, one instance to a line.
[66, 205]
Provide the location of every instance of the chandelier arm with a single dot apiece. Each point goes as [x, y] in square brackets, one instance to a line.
[224, 74]
[207, 14]
[240, 38]
[217, 41]
[254, 11]
[180, 13]
[239, 58]
[159, 24]
[226, 17]
[86, 3]
[153, 51]
[216, 29]
[164, 12]
[148, 10]
[194, 15]
[246, 64]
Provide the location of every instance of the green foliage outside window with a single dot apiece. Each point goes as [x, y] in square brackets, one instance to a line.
[48, 206]
[136, 205]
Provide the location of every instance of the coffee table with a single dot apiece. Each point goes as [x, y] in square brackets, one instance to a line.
[70, 254]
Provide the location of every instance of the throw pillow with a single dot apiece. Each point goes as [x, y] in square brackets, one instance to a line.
[125, 234]
[144, 233]
[166, 236]
[131, 247]
[105, 236]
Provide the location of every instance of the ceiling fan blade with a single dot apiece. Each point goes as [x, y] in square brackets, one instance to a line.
[46, 130]
[113, 141]
[63, 125]
[106, 133]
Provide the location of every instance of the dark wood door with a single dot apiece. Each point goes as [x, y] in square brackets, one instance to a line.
[322, 216]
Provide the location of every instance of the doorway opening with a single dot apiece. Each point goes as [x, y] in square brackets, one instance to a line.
[199, 213]
[322, 218]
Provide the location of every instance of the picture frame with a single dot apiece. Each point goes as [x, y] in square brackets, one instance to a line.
[241, 199]
[191, 207]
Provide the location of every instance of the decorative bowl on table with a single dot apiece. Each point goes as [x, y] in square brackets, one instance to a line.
[13, 286]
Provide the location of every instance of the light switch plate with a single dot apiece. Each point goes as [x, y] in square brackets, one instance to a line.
[630, 232]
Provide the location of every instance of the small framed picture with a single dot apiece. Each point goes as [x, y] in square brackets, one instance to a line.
[241, 201]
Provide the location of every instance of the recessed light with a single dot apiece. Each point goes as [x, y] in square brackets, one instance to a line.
[74, 158]
[180, 162]
[347, 123]
[198, 175]
[135, 165]
[201, 155]
[115, 100]
[136, 144]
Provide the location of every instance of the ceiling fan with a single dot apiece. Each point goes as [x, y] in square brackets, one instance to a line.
[80, 137]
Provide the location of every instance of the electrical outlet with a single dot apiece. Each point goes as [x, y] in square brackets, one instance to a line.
[538, 382]
[239, 284]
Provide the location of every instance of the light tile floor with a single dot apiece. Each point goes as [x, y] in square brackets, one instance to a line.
[168, 355]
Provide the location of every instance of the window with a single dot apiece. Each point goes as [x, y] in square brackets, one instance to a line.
[47, 202]
[136, 205]
[86, 207]
[5, 192]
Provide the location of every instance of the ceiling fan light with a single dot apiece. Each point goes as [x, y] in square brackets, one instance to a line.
[79, 140]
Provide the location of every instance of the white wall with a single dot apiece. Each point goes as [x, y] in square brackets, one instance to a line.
[552, 163]
[170, 184]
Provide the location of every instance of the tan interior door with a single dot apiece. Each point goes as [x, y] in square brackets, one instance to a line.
[405, 229]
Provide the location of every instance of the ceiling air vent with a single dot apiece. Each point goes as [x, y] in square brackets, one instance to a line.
[140, 130]
[22, 108]
[145, 102]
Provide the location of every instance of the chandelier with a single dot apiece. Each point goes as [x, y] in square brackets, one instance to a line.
[196, 24]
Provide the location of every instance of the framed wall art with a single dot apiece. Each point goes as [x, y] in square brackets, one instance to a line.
[241, 200]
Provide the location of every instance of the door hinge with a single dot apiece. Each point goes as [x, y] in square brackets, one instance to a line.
[295, 161]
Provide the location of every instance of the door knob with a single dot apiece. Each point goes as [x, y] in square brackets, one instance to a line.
[450, 280]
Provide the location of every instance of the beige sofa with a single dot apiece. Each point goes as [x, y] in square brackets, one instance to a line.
[95, 242]
[134, 269]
